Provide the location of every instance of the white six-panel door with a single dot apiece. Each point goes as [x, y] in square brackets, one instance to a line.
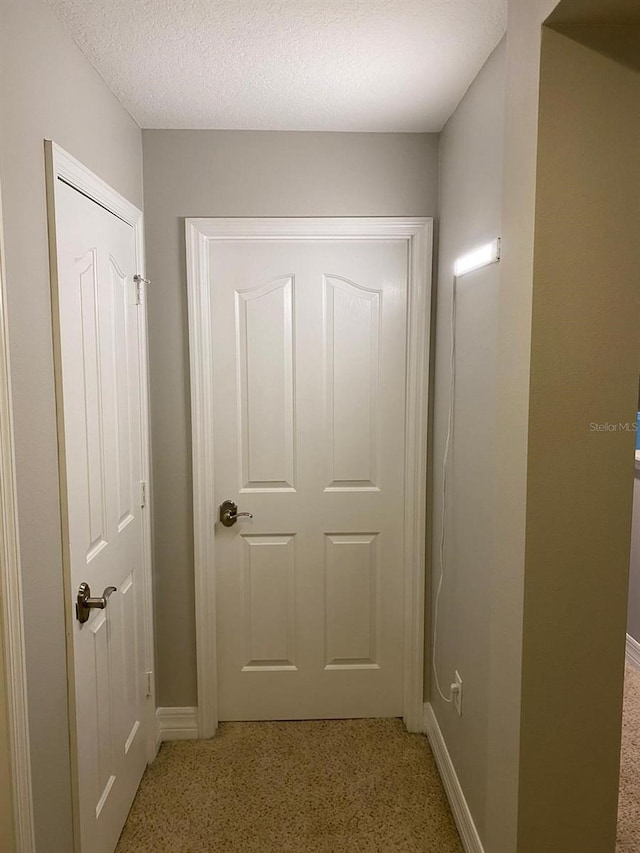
[309, 384]
[99, 388]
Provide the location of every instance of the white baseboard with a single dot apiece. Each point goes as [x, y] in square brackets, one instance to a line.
[633, 652]
[466, 827]
[176, 724]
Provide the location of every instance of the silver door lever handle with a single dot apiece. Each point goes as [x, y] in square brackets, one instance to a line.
[229, 513]
[85, 604]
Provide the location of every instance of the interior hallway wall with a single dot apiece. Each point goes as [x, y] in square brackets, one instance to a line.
[562, 498]
[47, 89]
[471, 163]
[238, 173]
[524, 26]
[584, 370]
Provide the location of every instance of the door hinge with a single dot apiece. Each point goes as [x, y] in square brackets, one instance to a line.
[149, 683]
[143, 494]
[139, 281]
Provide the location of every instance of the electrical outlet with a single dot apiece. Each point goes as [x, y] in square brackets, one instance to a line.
[457, 693]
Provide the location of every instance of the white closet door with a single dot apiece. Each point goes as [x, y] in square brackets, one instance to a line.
[102, 459]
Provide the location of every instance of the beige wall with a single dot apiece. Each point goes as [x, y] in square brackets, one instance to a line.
[223, 173]
[584, 369]
[471, 162]
[47, 89]
[7, 839]
[607, 12]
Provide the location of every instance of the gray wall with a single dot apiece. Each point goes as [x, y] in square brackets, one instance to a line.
[633, 608]
[471, 163]
[227, 173]
[511, 434]
[47, 89]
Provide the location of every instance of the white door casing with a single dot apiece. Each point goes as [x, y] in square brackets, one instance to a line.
[337, 272]
[100, 344]
[11, 599]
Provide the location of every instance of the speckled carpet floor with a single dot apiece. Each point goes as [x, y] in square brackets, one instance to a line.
[338, 786]
[629, 802]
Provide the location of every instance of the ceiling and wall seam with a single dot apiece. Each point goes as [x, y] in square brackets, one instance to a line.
[338, 65]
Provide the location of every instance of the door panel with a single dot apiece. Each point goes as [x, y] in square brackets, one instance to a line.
[264, 324]
[269, 594]
[99, 392]
[352, 600]
[309, 401]
[351, 328]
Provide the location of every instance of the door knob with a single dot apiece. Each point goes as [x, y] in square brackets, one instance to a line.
[229, 513]
[85, 604]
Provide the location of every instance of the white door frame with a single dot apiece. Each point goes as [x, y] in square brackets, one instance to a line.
[201, 235]
[61, 166]
[12, 601]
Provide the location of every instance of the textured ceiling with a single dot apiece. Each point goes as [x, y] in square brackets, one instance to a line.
[347, 65]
